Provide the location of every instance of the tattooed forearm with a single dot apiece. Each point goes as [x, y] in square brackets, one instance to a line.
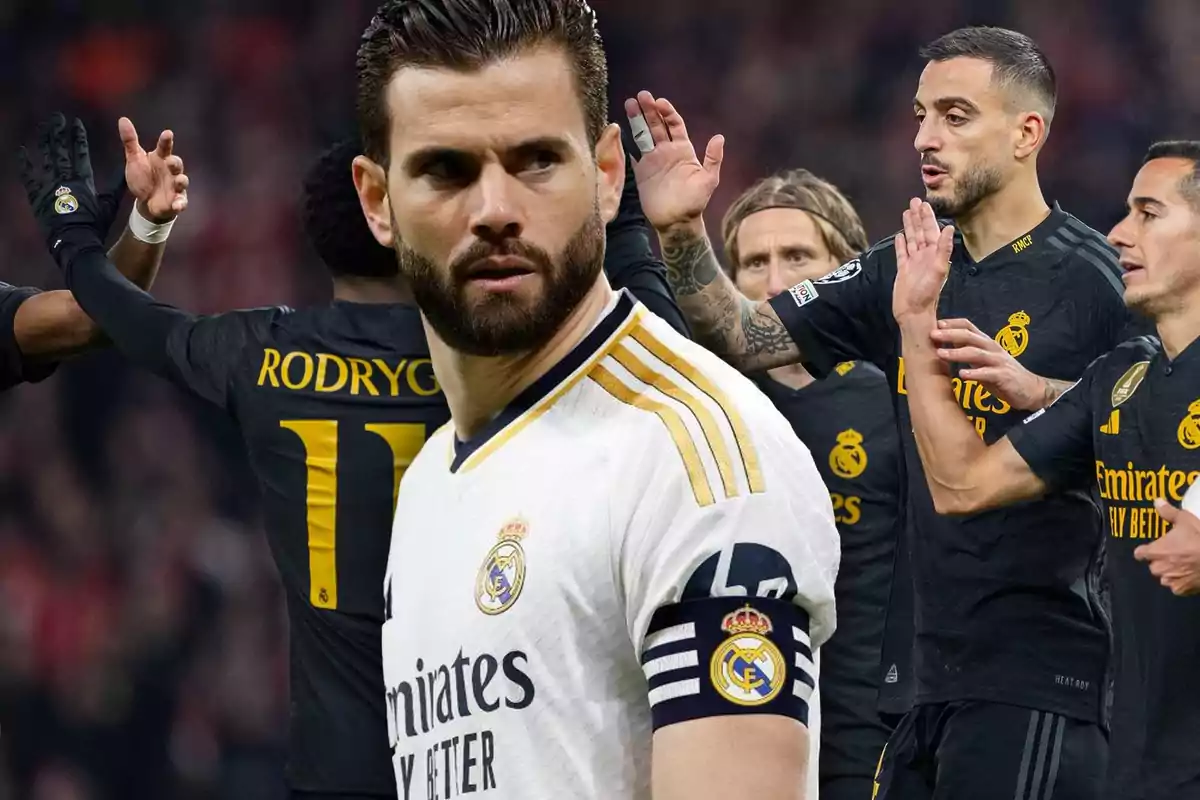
[767, 342]
[1052, 389]
[745, 333]
[691, 262]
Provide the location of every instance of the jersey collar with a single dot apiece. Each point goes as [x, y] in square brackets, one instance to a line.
[1030, 246]
[542, 393]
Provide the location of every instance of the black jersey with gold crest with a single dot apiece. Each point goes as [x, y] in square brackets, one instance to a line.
[1006, 602]
[1131, 427]
[333, 402]
[847, 423]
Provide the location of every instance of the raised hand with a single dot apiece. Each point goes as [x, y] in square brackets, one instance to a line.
[675, 186]
[72, 215]
[922, 263]
[156, 178]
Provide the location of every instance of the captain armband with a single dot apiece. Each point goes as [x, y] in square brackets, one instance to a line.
[728, 655]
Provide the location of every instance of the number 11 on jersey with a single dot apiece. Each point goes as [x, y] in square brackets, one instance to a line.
[320, 438]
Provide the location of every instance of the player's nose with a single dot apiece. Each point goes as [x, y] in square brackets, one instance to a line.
[927, 139]
[777, 279]
[495, 211]
[1120, 236]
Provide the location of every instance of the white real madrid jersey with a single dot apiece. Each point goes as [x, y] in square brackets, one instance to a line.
[639, 540]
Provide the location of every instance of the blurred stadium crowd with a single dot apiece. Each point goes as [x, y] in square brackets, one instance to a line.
[142, 644]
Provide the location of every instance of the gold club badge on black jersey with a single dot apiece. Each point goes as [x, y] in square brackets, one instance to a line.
[1128, 383]
[1189, 427]
[747, 669]
[848, 459]
[502, 575]
[1014, 337]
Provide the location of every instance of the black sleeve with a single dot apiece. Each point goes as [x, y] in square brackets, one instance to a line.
[196, 353]
[629, 261]
[845, 316]
[14, 367]
[1056, 442]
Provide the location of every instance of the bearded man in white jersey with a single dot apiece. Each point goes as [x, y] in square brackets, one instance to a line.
[610, 574]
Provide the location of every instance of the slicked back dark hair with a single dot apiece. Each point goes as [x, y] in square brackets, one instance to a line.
[1016, 60]
[333, 219]
[1189, 187]
[468, 35]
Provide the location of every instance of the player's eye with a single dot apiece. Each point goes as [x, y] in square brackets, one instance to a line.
[449, 170]
[955, 119]
[919, 116]
[754, 263]
[1146, 214]
[541, 161]
[797, 257]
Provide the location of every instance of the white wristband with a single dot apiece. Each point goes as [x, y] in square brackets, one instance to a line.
[146, 231]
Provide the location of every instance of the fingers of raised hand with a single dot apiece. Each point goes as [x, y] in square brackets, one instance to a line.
[166, 144]
[676, 128]
[174, 165]
[653, 117]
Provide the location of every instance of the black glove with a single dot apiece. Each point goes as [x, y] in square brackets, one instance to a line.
[71, 215]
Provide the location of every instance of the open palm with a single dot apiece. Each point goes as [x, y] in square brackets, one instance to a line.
[155, 178]
[674, 185]
[922, 262]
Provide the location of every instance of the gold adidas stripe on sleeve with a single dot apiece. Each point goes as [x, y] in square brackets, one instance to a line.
[704, 384]
[680, 435]
[708, 423]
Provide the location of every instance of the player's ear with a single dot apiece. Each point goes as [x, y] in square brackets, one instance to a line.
[370, 180]
[610, 172]
[1031, 134]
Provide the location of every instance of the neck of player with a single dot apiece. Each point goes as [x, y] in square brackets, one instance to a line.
[1004, 216]
[356, 289]
[477, 388]
[1178, 329]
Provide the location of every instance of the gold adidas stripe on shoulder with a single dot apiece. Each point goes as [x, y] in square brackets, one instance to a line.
[703, 384]
[708, 424]
[675, 426]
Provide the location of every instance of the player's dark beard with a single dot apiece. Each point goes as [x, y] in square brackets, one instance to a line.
[976, 184]
[504, 324]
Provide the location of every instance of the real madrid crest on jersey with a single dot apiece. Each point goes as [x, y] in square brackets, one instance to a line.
[502, 574]
[1128, 383]
[848, 459]
[747, 668]
[65, 202]
[1189, 427]
[1014, 337]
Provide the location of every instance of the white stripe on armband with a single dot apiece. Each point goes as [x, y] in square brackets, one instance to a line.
[146, 231]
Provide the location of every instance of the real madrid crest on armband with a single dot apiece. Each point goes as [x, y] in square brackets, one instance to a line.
[1014, 337]
[747, 669]
[502, 574]
[64, 201]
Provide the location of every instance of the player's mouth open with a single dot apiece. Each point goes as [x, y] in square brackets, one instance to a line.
[1131, 270]
[931, 176]
[500, 273]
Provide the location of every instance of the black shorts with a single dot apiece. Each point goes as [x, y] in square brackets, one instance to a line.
[990, 751]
